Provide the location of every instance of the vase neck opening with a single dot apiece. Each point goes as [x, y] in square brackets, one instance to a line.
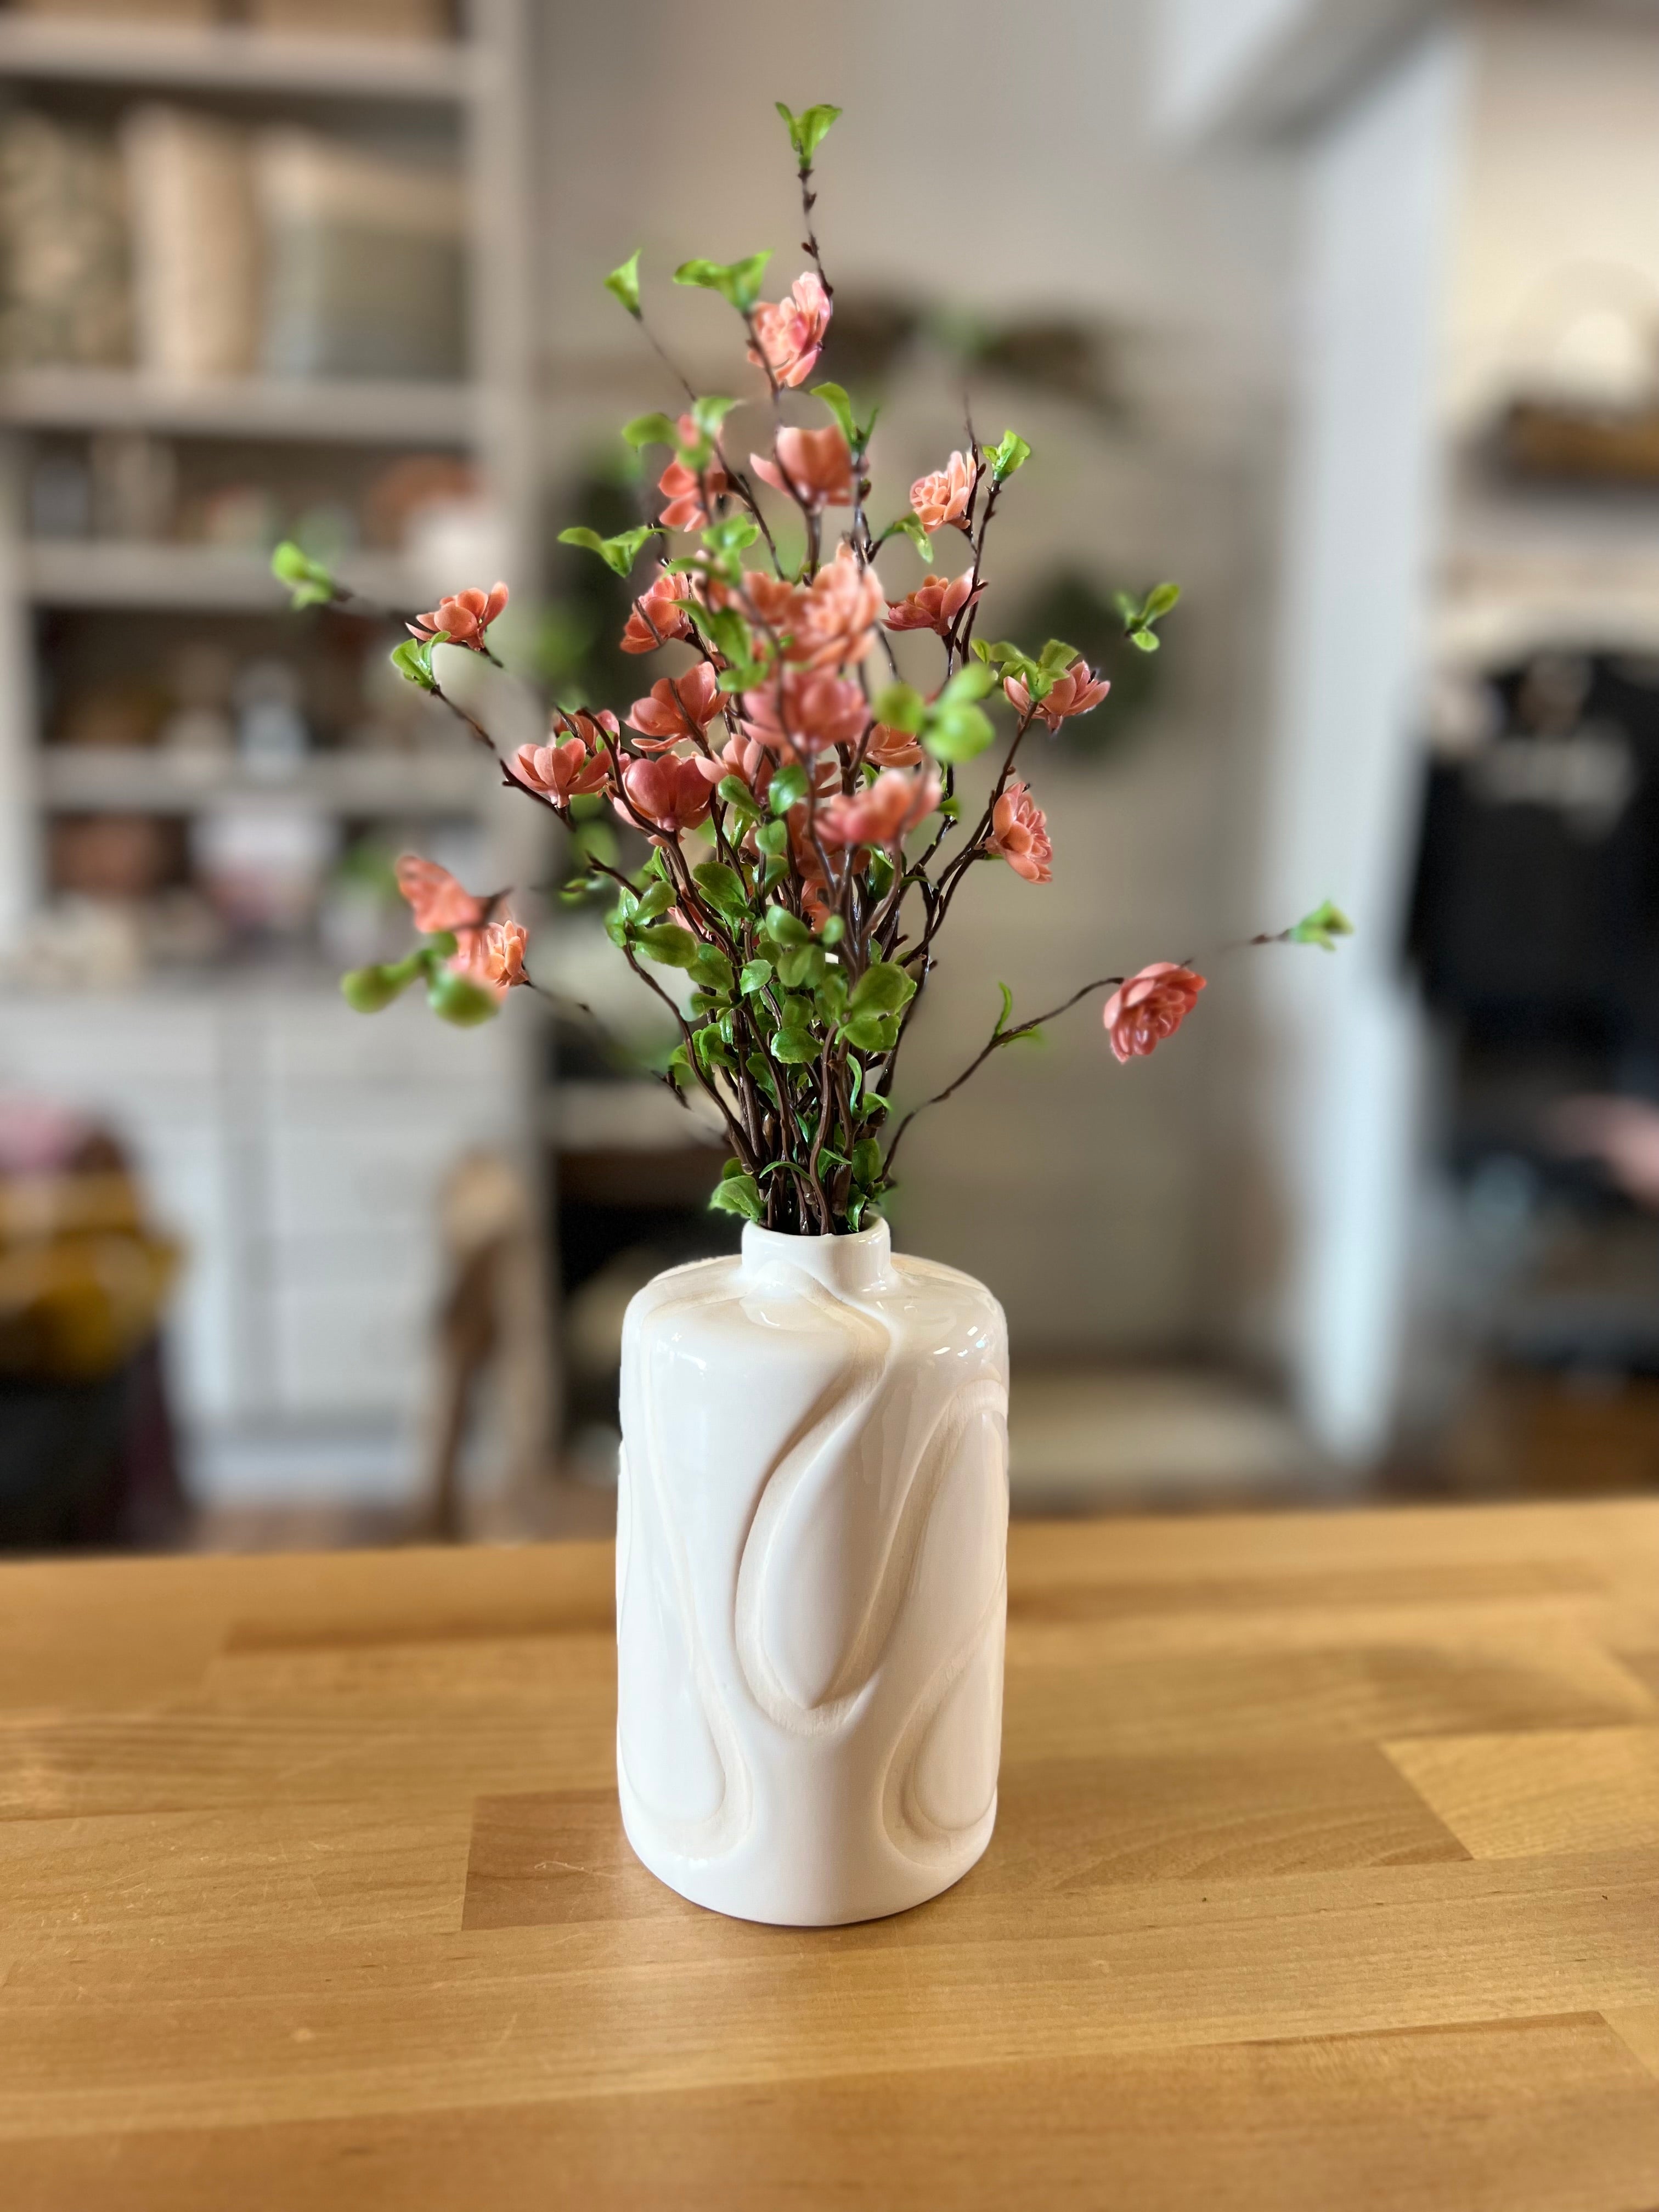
[859, 1263]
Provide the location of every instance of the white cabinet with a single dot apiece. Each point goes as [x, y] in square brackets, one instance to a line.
[298, 1151]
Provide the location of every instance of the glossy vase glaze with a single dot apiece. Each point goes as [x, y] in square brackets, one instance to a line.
[810, 1577]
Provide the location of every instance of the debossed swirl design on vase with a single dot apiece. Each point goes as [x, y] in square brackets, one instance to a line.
[811, 1580]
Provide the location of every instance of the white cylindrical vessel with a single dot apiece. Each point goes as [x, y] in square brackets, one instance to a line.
[810, 1577]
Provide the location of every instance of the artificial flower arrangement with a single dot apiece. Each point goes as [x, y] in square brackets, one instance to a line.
[807, 840]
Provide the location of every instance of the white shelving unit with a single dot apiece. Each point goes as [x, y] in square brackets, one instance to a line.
[216, 579]
[169, 58]
[370, 1280]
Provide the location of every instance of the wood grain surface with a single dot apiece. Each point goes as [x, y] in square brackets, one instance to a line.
[1326, 1875]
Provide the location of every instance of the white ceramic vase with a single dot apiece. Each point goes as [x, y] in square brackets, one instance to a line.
[810, 1577]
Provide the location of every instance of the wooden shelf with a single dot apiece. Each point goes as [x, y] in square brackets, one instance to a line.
[343, 411]
[204, 578]
[88, 780]
[236, 61]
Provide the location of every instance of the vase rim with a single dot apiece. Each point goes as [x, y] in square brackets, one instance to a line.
[857, 1259]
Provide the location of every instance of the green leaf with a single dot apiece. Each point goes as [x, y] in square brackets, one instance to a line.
[737, 1193]
[882, 988]
[787, 787]
[909, 525]
[1321, 927]
[738, 282]
[795, 1047]
[711, 1047]
[651, 430]
[773, 838]
[785, 928]
[452, 998]
[667, 944]
[833, 931]
[829, 994]
[732, 534]
[875, 1104]
[1008, 660]
[802, 967]
[368, 989]
[835, 398]
[709, 414]
[1056, 657]
[619, 553]
[739, 797]
[967, 685]
[1007, 1009]
[1138, 620]
[712, 969]
[413, 661]
[721, 886]
[808, 130]
[309, 583]
[866, 1163]
[957, 733]
[900, 708]
[756, 975]
[729, 633]
[623, 283]
[1011, 453]
[871, 1033]
[656, 898]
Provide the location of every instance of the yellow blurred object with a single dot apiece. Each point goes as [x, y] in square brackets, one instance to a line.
[83, 1280]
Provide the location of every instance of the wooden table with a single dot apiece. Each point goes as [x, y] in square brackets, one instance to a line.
[1327, 1876]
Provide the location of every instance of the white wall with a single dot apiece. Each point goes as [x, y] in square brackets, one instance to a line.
[1337, 1039]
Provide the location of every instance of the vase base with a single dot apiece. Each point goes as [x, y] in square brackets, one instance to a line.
[740, 1886]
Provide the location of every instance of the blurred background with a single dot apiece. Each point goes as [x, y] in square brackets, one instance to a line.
[1343, 312]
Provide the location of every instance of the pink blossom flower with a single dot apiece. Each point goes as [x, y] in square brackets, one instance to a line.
[814, 466]
[1150, 1006]
[836, 624]
[678, 707]
[463, 618]
[667, 790]
[884, 811]
[503, 944]
[1078, 692]
[499, 958]
[655, 619]
[437, 901]
[492, 957]
[743, 756]
[818, 710]
[890, 748]
[684, 488]
[774, 601]
[935, 603]
[791, 334]
[1019, 831]
[566, 768]
[945, 496]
